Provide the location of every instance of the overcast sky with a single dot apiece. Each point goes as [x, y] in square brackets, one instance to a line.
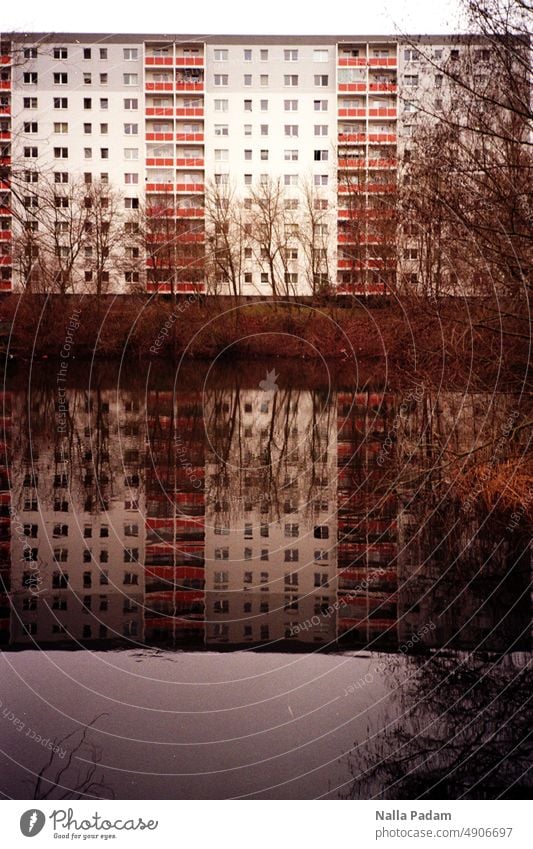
[236, 16]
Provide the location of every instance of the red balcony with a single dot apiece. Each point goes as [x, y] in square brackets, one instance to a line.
[159, 161]
[382, 137]
[5, 85]
[352, 113]
[158, 86]
[5, 110]
[361, 239]
[190, 188]
[5, 60]
[382, 113]
[362, 289]
[159, 111]
[160, 187]
[5, 235]
[352, 163]
[189, 86]
[190, 212]
[352, 61]
[5, 136]
[159, 136]
[382, 163]
[352, 86]
[179, 238]
[362, 264]
[6, 259]
[5, 286]
[383, 87]
[158, 60]
[5, 210]
[382, 62]
[352, 137]
[198, 162]
[191, 111]
[190, 61]
[190, 137]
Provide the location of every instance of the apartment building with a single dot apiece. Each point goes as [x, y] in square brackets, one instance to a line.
[189, 150]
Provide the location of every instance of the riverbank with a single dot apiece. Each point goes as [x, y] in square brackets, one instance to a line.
[455, 337]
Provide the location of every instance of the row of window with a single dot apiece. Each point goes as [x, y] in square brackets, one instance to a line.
[129, 629]
[322, 180]
[129, 103]
[289, 80]
[221, 54]
[61, 78]
[321, 579]
[128, 53]
[60, 602]
[222, 105]
[32, 152]
[60, 580]
[223, 129]
[222, 154]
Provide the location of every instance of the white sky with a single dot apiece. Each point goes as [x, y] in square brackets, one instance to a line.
[270, 17]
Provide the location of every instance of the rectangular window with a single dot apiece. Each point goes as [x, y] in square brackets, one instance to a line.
[247, 105]
[131, 153]
[30, 53]
[87, 78]
[103, 52]
[87, 53]
[221, 55]
[60, 53]
[104, 129]
[30, 77]
[411, 79]
[291, 130]
[290, 179]
[33, 127]
[221, 79]
[263, 79]
[320, 55]
[320, 105]
[131, 178]
[247, 154]
[103, 79]
[290, 79]
[104, 103]
[320, 155]
[321, 79]
[130, 54]
[104, 153]
[60, 102]
[87, 128]
[87, 103]
[247, 55]
[131, 103]
[264, 129]
[60, 152]
[290, 55]
[60, 78]
[131, 129]
[291, 155]
[29, 103]
[221, 155]
[263, 55]
[247, 129]
[264, 154]
[221, 105]
[221, 129]
[130, 79]
[321, 129]
[290, 105]
[264, 105]
[247, 79]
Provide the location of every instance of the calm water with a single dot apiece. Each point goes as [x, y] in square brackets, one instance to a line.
[239, 582]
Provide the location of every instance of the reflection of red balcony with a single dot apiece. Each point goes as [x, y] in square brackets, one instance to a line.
[197, 137]
[352, 61]
[5, 160]
[5, 235]
[6, 260]
[382, 113]
[382, 163]
[5, 285]
[189, 86]
[158, 86]
[382, 137]
[352, 86]
[192, 111]
[5, 210]
[159, 110]
[178, 287]
[159, 161]
[363, 163]
[180, 238]
[366, 187]
[362, 264]
[352, 113]
[190, 61]
[370, 214]
[158, 60]
[361, 239]
[192, 188]
[159, 136]
[190, 212]
[362, 289]
[185, 163]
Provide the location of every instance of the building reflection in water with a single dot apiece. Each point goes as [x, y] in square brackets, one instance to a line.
[231, 518]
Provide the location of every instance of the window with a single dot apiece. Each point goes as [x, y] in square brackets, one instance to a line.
[30, 53]
[411, 79]
[290, 179]
[104, 128]
[60, 102]
[247, 79]
[263, 79]
[130, 54]
[30, 103]
[263, 55]
[264, 154]
[247, 105]
[130, 79]
[291, 130]
[104, 153]
[60, 78]
[320, 179]
[321, 79]
[264, 105]
[103, 79]
[87, 78]
[131, 129]
[320, 155]
[60, 53]
[290, 105]
[32, 127]
[264, 129]
[320, 55]
[290, 79]
[321, 129]
[131, 103]
[88, 152]
[86, 52]
[438, 80]
[29, 78]
[410, 55]
[60, 152]
[247, 154]
[221, 79]
[103, 52]
[131, 153]
[221, 105]
[87, 128]
[248, 182]
[320, 105]
[221, 129]
[131, 178]
[60, 176]
[290, 55]
[221, 55]
[104, 103]
[87, 103]
[247, 129]
[247, 55]
[454, 55]
[221, 155]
